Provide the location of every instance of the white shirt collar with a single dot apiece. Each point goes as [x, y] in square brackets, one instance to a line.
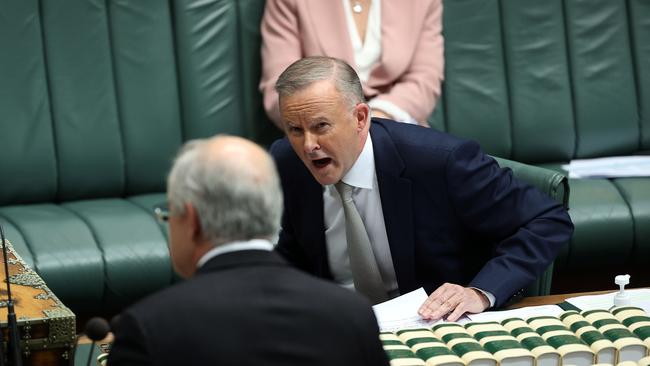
[362, 173]
[255, 244]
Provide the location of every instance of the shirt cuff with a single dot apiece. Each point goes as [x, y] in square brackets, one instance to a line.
[489, 296]
[398, 113]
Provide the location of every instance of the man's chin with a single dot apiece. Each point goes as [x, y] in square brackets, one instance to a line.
[325, 179]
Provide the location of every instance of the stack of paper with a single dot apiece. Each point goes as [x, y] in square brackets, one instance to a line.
[612, 167]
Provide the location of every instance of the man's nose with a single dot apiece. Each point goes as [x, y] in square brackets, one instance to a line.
[310, 143]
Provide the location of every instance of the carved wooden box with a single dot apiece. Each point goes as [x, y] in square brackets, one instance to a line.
[47, 327]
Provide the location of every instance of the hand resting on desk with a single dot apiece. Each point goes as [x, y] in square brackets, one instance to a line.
[454, 300]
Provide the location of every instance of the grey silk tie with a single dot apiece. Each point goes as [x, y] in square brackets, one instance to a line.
[363, 265]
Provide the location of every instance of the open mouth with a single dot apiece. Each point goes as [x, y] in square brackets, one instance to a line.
[321, 163]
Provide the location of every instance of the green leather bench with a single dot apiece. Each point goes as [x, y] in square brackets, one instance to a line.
[544, 82]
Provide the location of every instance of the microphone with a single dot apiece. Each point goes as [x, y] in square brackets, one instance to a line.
[96, 329]
[102, 359]
[13, 343]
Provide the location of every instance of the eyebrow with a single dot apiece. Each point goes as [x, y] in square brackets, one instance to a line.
[318, 120]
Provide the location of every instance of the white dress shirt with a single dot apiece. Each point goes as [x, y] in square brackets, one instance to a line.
[235, 246]
[367, 54]
[365, 195]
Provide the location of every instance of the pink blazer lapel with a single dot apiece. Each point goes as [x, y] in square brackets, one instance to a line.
[330, 28]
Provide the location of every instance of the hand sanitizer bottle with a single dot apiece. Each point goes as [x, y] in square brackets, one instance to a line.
[622, 298]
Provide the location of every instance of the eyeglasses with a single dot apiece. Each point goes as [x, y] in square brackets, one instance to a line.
[161, 211]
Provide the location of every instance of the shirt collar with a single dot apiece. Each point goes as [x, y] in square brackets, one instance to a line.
[362, 173]
[255, 244]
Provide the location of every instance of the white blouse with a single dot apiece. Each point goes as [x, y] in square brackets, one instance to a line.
[368, 53]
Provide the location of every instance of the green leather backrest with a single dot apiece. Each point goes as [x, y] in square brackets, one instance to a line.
[148, 101]
[602, 78]
[27, 151]
[96, 96]
[543, 81]
[76, 48]
[476, 91]
[639, 11]
[206, 36]
[260, 128]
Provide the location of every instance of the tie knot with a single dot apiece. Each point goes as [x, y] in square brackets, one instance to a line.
[345, 190]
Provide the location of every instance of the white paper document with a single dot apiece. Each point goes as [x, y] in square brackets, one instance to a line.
[611, 167]
[639, 298]
[402, 312]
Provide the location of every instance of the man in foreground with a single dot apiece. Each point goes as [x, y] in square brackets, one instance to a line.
[242, 304]
[386, 208]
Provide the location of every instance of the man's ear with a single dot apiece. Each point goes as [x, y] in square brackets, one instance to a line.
[194, 222]
[362, 112]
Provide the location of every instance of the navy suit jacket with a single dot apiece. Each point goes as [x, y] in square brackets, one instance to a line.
[451, 214]
[249, 308]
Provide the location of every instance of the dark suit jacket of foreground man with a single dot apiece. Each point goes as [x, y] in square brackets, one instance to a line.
[250, 308]
[451, 214]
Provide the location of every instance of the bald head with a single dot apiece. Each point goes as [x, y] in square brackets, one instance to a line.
[233, 185]
[241, 157]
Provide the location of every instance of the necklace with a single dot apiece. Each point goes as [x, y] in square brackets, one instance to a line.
[357, 7]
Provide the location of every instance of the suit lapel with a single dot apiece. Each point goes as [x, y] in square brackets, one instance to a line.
[397, 205]
[331, 28]
[313, 224]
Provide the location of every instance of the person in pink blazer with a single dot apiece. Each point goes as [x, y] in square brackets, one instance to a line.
[400, 55]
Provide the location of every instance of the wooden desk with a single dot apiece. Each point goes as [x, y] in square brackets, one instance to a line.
[551, 299]
[554, 299]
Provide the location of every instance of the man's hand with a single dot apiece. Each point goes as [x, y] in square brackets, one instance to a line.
[454, 300]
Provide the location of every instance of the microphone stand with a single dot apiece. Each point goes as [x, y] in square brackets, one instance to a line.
[13, 344]
[96, 329]
[2, 350]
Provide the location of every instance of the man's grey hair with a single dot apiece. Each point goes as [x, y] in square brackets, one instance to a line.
[235, 199]
[309, 70]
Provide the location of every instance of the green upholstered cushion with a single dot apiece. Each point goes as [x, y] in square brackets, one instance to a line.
[604, 231]
[206, 36]
[148, 202]
[134, 250]
[537, 72]
[17, 241]
[476, 98]
[543, 81]
[611, 220]
[89, 148]
[93, 253]
[64, 251]
[258, 126]
[639, 13]
[602, 73]
[28, 160]
[636, 192]
[148, 100]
